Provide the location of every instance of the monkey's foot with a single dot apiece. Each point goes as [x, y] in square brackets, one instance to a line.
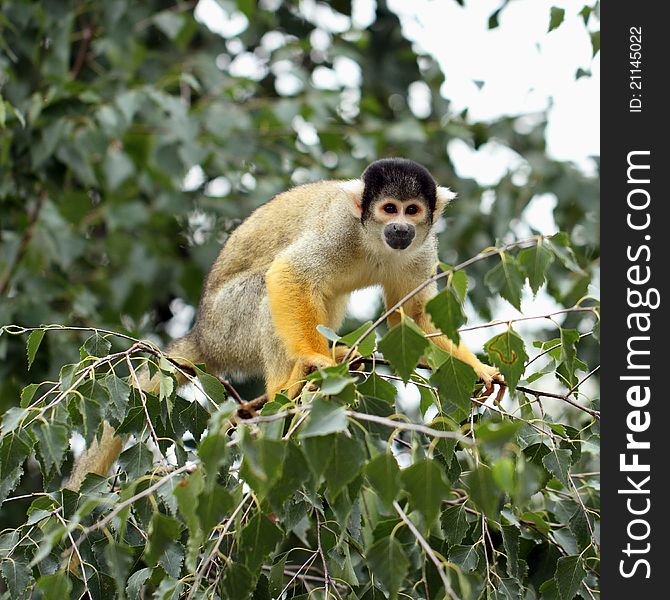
[341, 351]
[308, 364]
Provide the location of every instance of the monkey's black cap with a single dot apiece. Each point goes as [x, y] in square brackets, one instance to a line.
[398, 178]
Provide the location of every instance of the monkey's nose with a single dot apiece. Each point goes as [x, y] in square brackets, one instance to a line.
[399, 235]
[401, 228]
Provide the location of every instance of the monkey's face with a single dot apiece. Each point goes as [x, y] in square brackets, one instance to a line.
[400, 221]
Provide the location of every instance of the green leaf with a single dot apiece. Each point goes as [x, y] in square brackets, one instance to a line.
[238, 582]
[495, 434]
[187, 492]
[585, 13]
[483, 490]
[455, 381]
[318, 451]
[96, 346]
[17, 575]
[387, 560]
[538, 519]
[494, 19]
[367, 345]
[213, 505]
[504, 474]
[89, 404]
[169, 23]
[425, 484]
[262, 463]
[508, 352]
[119, 395]
[569, 575]
[579, 526]
[162, 547]
[535, 262]
[511, 536]
[454, 524]
[557, 16]
[194, 418]
[506, 588]
[403, 346]
[213, 452]
[119, 559]
[258, 539]
[295, 471]
[136, 583]
[383, 474]
[447, 314]
[558, 463]
[595, 42]
[549, 590]
[55, 587]
[348, 456]
[53, 440]
[136, 460]
[446, 446]
[27, 394]
[334, 383]
[466, 557]
[568, 357]
[507, 280]
[459, 282]
[33, 344]
[211, 386]
[377, 387]
[117, 167]
[325, 417]
[15, 447]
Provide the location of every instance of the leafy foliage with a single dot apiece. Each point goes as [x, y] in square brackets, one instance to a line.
[349, 491]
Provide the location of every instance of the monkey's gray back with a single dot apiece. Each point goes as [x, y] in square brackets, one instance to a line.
[233, 330]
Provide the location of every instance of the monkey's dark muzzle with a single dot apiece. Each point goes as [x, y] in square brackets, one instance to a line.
[399, 235]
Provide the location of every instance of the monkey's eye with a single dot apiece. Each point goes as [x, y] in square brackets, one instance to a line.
[390, 208]
[412, 209]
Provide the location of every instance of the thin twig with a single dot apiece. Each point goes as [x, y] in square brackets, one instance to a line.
[326, 574]
[498, 322]
[26, 236]
[126, 503]
[541, 354]
[594, 413]
[428, 550]
[205, 562]
[409, 426]
[574, 387]
[75, 549]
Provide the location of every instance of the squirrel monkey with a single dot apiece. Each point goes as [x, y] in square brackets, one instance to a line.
[293, 263]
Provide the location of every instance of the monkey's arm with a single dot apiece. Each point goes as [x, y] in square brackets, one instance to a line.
[297, 304]
[415, 308]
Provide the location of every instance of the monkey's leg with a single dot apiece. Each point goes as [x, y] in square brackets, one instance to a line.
[296, 310]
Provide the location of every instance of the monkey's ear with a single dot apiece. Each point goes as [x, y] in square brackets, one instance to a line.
[443, 196]
[354, 189]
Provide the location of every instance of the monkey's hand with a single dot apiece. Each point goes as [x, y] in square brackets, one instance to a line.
[489, 375]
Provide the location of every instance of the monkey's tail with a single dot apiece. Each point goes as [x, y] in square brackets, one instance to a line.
[185, 352]
[103, 452]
